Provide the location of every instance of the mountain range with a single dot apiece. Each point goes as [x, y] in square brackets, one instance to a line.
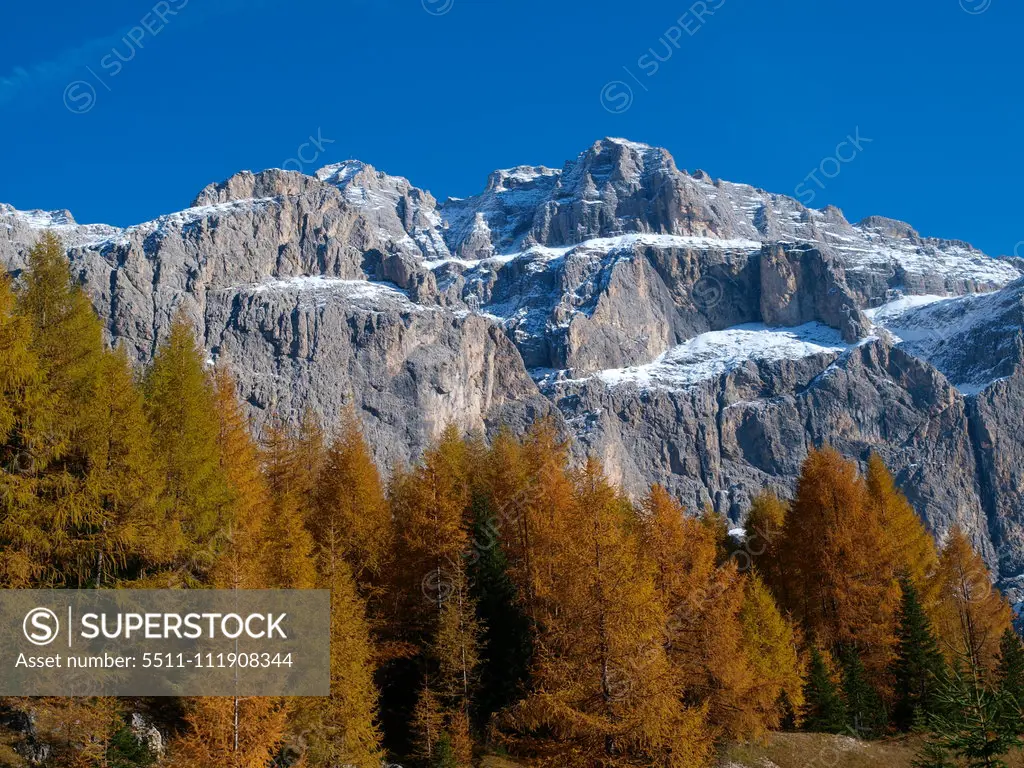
[688, 331]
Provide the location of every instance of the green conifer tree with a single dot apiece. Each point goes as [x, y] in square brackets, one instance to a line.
[445, 756]
[973, 722]
[1010, 671]
[824, 710]
[506, 639]
[864, 709]
[918, 667]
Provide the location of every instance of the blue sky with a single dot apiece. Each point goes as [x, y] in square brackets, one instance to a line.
[444, 91]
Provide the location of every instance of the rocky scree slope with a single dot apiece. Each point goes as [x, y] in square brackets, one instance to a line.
[693, 332]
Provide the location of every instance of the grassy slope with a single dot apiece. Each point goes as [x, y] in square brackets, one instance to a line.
[817, 750]
[808, 750]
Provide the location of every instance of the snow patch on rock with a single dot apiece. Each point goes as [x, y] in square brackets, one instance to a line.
[712, 354]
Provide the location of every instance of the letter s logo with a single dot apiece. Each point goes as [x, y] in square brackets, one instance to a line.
[41, 626]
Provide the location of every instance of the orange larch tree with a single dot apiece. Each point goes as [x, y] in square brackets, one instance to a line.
[840, 579]
[969, 613]
[605, 692]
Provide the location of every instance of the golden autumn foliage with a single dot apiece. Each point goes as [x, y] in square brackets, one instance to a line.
[342, 730]
[123, 479]
[702, 602]
[604, 688]
[533, 511]
[460, 738]
[19, 367]
[840, 580]
[777, 671]
[969, 613]
[228, 732]
[194, 501]
[733, 651]
[351, 517]
[23, 423]
[78, 730]
[764, 526]
[430, 505]
[66, 337]
[427, 724]
[238, 565]
[289, 549]
[907, 543]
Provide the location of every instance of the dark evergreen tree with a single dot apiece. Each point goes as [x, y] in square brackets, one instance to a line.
[1011, 667]
[126, 750]
[824, 710]
[973, 722]
[918, 667]
[864, 709]
[507, 644]
[932, 754]
[444, 756]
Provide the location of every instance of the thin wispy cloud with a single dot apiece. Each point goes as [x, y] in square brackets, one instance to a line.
[30, 79]
[24, 79]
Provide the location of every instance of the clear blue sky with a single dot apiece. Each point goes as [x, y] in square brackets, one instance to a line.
[760, 92]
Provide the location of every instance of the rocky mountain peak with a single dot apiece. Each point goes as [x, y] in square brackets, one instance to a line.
[618, 162]
[519, 177]
[889, 227]
[246, 185]
[57, 218]
[341, 174]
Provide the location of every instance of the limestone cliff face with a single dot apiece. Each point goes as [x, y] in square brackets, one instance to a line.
[719, 440]
[692, 332]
